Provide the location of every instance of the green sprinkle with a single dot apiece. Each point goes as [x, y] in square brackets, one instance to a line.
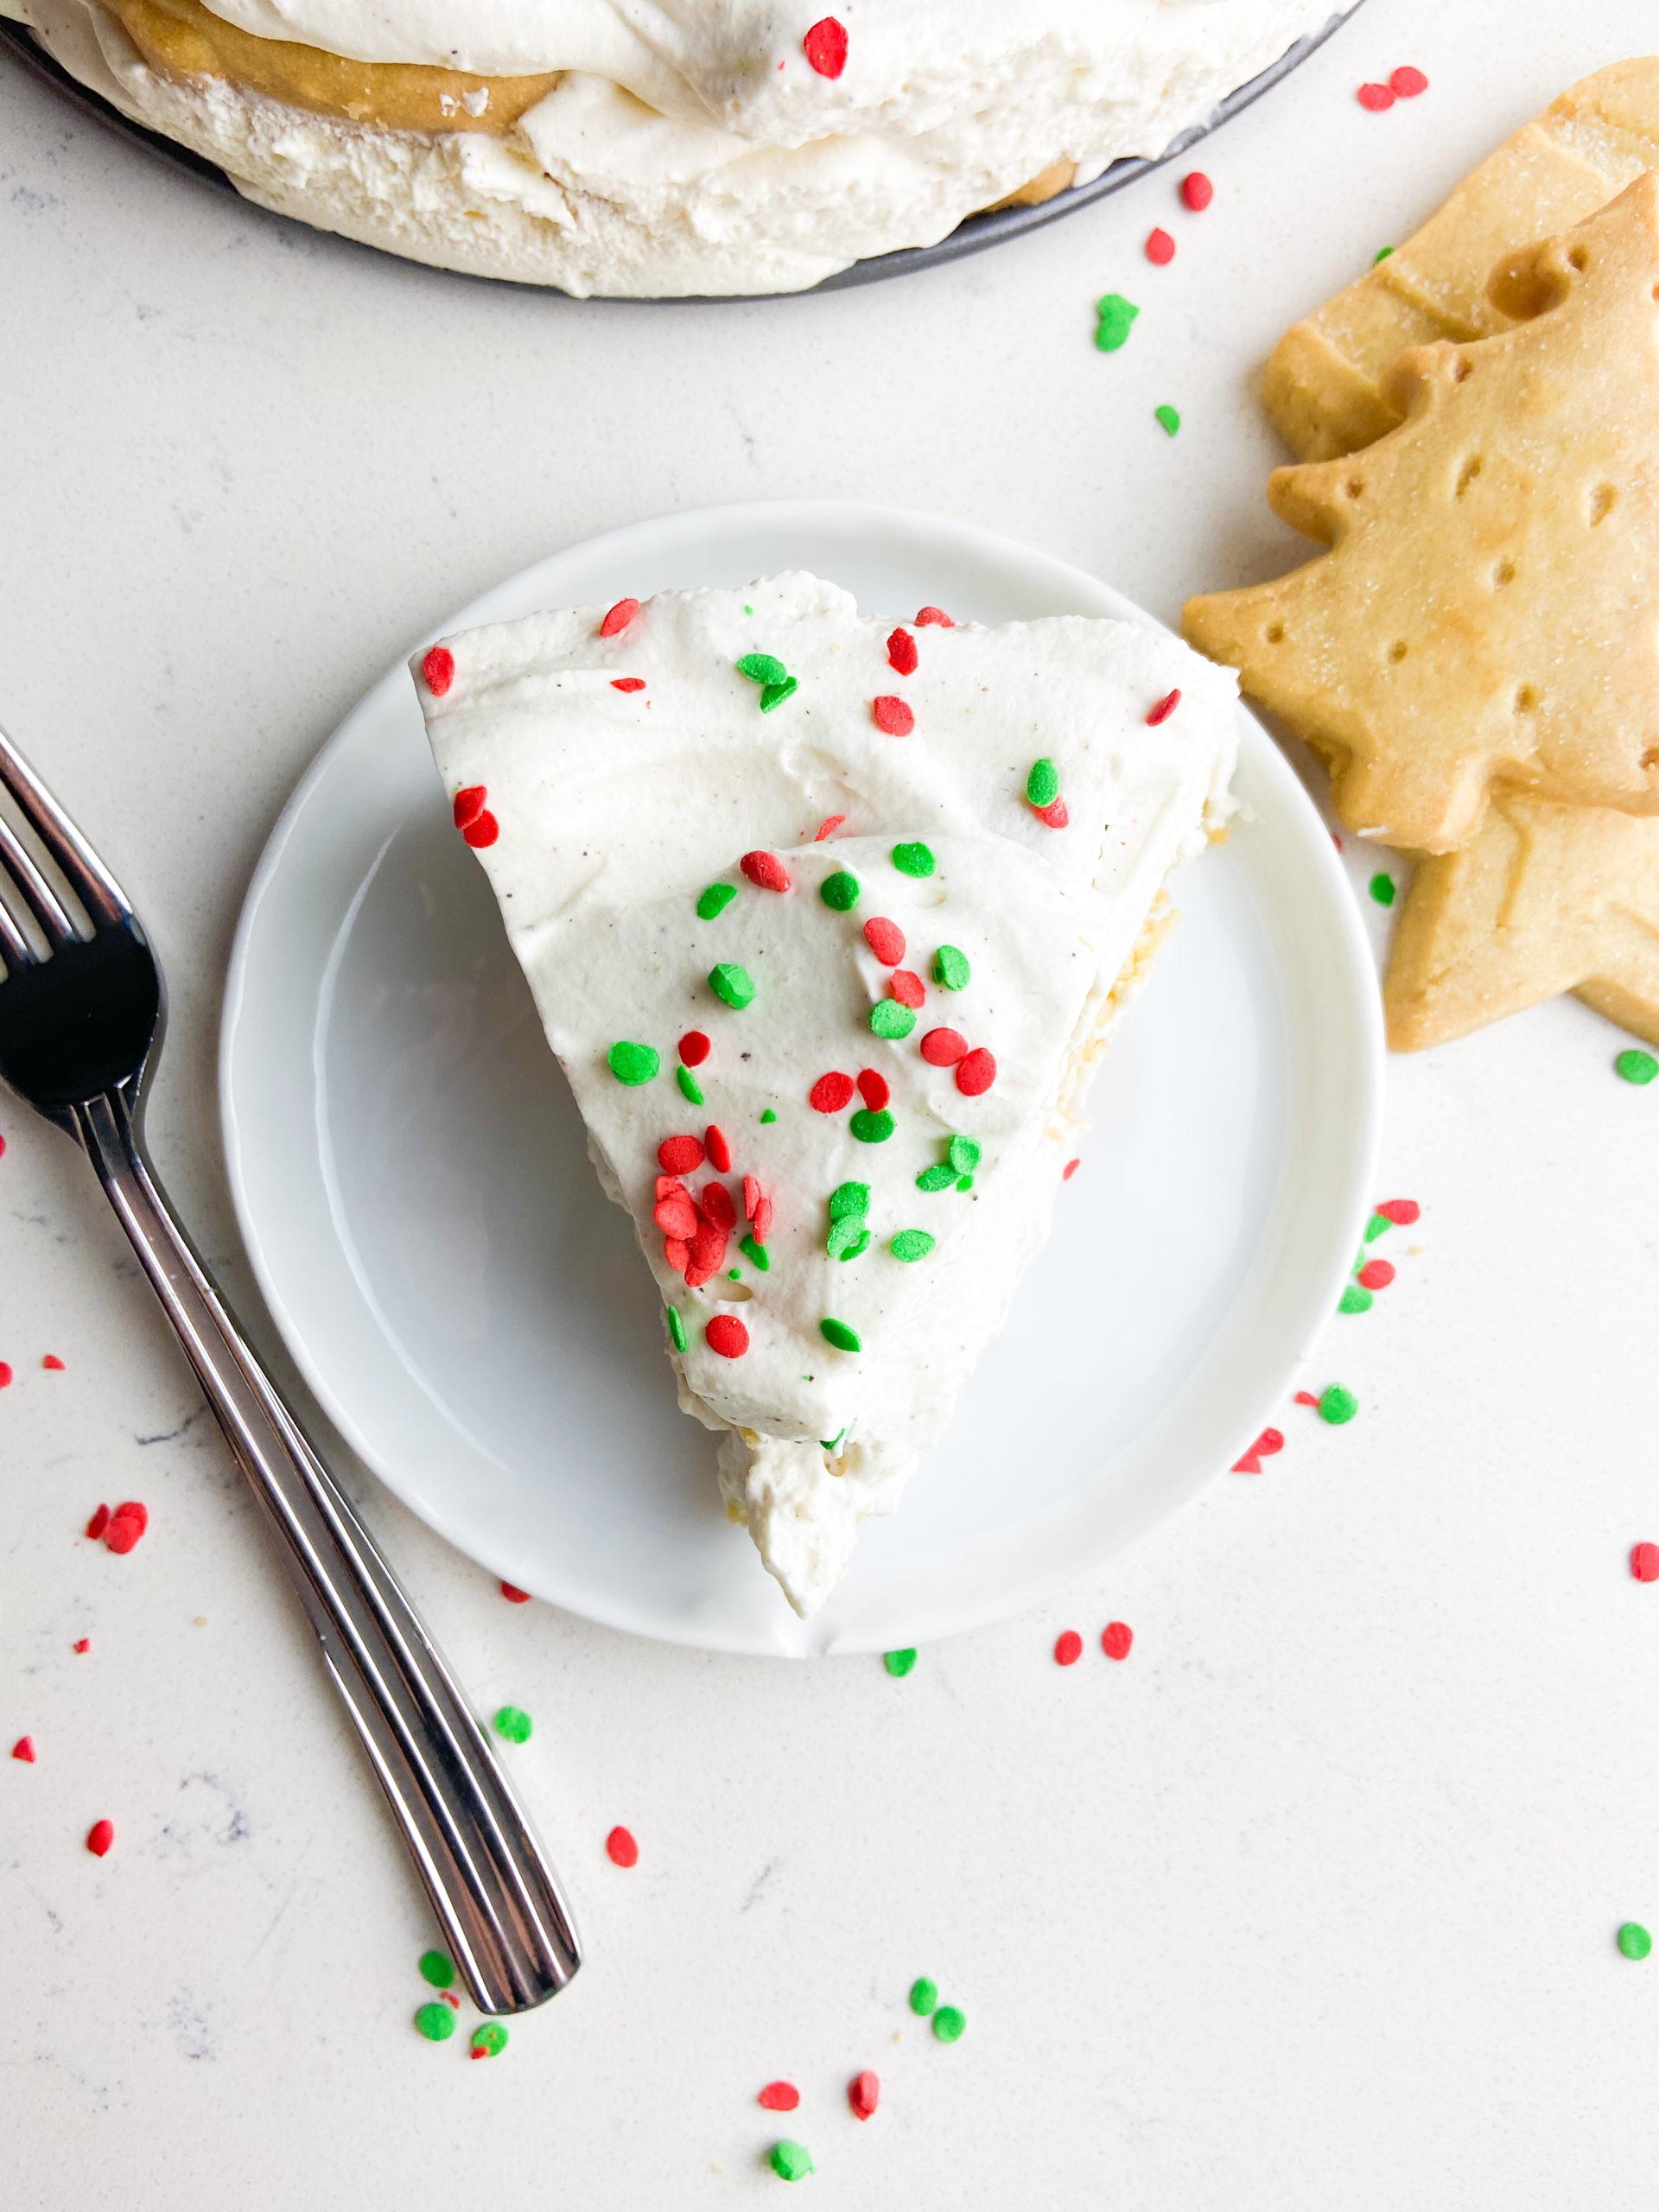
[634, 1064]
[831, 1442]
[768, 1115]
[1355, 1299]
[514, 1723]
[964, 1156]
[1117, 313]
[1168, 418]
[843, 1337]
[733, 984]
[913, 860]
[923, 1993]
[1043, 784]
[900, 1663]
[966, 1184]
[436, 2022]
[1382, 254]
[950, 967]
[862, 1245]
[715, 900]
[1636, 1067]
[1378, 1223]
[756, 1254]
[489, 2041]
[790, 2161]
[911, 1244]
[889, 1019]
[849, 1232]
[1338, 1405]
[763, 668]
[1634, 1940]
[870, 1126]
[849, 1199]
[437, 1969]
[1381, 889]
[676, 1328]
[734, 1275]
[935, 1179]
[948, 2023]
[775, 694]
[839, 891]
[744, 65]
[687, 1083]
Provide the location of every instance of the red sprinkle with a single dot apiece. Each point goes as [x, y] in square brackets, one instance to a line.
[1269, 1442]
[439, 670]
[1400, 1212]
[1375, 96]
[513, 1595]
[98, 1523]
[621, 1848]
[676, 1217]
[1055, 814]
[5, 1374]
[1115, 1638]
[830, 1093]
[84, 1644]
[1068, 1649]
[483, 830]
[718, 1151]
[873, 1089]
[1305, 1398]
[780, 2096]
[827, 828]
[717, 1207]
[99, 1837]
[694, 1048]
[765, 870]
[893, 716]
[977, 1073]
[751, 1196]
[678, 1253]
[885, 940]
[727, 1336]
[1376, 1275]
[1645, 1566]
[1407, 83]
[825, 47]
[1165, 707]
[935, 616]
[627, 684]
[619, 618]
[1161, 248]
[52, 1363]
[469, 804]
[127, 1523]
[24, 1749]
[863, 2093]
[679, 1155]
[905, 985]
[1196, 191]
[762, 1219]
[943, 1048]
[901, 652]
[1070, 1170]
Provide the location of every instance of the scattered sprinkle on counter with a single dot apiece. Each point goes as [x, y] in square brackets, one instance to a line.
[1337, 1405]
[488, 2041]
[516, 1724]
[52, 1363]
[436, 2021]
[1196, 191]
[1644, 1565]
[99, 1837]
[900, 1663]
[99, 1522]
[1068, 1648]
[924, 1995]
[1406, 83]
[1376, 98]
[1167, 418]
[513, 1595]
[82, 1643]
[864, 2093]
[1376, 1275]
[126, 1525]
[1636, 1067]
[438, 1968]
[620, 1849]
[790, 2161]
[24, 1749]
[1070, 1170]
[5, 1374]
[1634, 1940]
[948, 2021]
[1355, 1300]
[1115, 317]
[1381, 888]
[1161, 248]
[1269, 1442]
[1115, 1638]
[780, 2096]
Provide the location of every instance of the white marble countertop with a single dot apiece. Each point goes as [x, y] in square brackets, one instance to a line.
[1310, 1903]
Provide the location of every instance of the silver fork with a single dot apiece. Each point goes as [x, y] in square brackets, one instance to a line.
[79, 1030]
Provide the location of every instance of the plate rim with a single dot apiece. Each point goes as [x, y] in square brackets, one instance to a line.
[664, 534]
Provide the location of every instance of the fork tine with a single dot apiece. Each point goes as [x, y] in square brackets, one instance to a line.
[38, 894]
[94, 885]
[13, 943]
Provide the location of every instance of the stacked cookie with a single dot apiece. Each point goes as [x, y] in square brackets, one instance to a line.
[1475, 658]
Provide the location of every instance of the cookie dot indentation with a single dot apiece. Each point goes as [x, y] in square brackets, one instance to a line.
[1601, 503]
[1398, 650]
[1525, 700]
[1502, 574]
[1463, 369]
[1354, 487]
[1650, 760]
[1578, 259]
[1275, 633]
[1468, 472]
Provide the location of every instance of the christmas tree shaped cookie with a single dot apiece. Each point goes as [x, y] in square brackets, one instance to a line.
[827, 920]
[1489, 610]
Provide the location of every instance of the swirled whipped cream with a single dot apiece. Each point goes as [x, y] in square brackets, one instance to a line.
[691, 147]
[826, 918]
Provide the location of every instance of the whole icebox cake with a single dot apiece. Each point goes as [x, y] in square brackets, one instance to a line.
[828, 921]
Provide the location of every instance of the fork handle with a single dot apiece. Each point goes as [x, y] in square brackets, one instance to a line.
[485, 1871]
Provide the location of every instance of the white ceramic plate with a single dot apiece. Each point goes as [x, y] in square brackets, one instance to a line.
[410, 1173]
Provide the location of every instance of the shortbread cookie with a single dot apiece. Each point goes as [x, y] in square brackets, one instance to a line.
[1489, 610]
[1324, 382]
[1548, 899]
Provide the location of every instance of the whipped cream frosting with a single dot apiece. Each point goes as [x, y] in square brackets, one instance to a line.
[693, 148]
[612, 812]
